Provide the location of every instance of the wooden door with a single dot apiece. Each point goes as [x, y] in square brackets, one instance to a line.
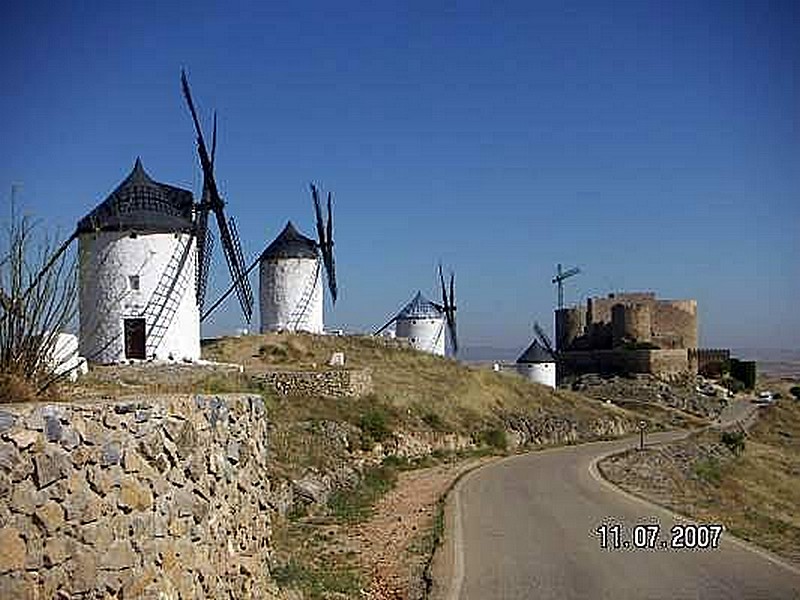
[135, 338]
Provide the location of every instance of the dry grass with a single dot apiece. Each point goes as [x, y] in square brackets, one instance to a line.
[415, 388]
[755, 495]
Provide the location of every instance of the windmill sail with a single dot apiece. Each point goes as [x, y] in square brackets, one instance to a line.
[449, 308]
[212, 201]
[325, 240]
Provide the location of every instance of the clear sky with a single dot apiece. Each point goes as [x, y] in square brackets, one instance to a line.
[655, 145]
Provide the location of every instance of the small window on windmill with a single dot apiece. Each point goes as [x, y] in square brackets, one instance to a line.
[133, 282]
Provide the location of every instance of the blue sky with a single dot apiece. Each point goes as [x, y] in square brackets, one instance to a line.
[655, 145]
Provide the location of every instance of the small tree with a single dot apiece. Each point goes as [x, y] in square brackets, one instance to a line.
[734, 441]
[36, 304]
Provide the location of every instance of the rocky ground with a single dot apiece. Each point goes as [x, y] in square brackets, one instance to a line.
[647, 389]
[745, 479]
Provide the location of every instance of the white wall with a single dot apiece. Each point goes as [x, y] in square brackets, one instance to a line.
[544, 373]
[427, 335]
[107, 260]
[282, 283]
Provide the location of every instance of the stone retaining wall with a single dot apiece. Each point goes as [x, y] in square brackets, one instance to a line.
[341, 383]
[163, 498]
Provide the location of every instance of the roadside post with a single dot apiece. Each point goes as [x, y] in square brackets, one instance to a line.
[642, 427]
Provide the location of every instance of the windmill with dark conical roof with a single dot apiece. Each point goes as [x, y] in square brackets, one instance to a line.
[291, 278]
[538, 363]
[143, 264]
[137, 266]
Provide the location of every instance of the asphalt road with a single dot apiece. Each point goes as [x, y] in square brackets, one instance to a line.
[524, 528]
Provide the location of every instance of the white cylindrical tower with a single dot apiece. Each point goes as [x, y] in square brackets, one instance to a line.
[291, 278]
[137, 267]
[422, 323]
[538, 365]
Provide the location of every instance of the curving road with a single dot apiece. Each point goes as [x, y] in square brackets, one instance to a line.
[523, 528]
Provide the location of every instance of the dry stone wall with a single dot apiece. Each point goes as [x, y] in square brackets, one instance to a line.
[160, 498]
[339, 383]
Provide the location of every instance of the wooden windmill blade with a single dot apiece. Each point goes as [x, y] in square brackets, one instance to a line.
[325, 240]
[448, 307]
[544, 340]
[212, 201]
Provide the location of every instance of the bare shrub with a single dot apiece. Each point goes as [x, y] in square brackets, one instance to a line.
[38, 291]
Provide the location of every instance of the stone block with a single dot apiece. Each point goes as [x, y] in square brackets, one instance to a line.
[133, 495]
[50, 517]
[14, 552]
[7, 421]
[83, 571]
[111, 454]
[51, 465]
[97, 535]
[83, 506]
[55, 551]
[52, 428]
[15, 465]
[70, 439]
[24, 438]
[24, 498]
[120, 555]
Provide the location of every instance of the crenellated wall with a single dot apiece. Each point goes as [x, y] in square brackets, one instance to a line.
[159, 498]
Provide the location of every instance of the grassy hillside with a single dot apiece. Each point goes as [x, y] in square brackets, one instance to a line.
[755, 492]
[416, 389]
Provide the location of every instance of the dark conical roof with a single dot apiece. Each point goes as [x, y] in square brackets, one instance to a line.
[290, 243]
[420, 308]
[536, 354]
[141, 204]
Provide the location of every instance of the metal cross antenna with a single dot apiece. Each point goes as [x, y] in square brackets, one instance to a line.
[559, 281]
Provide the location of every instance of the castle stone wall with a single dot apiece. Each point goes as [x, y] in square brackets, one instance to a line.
[662, 363]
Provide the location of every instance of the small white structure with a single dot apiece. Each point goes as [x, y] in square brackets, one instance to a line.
[538, 365]
[64, 358]
[137, 260]
[290, 284]
[422, 323]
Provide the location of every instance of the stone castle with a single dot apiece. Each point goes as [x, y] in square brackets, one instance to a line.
[629, 332]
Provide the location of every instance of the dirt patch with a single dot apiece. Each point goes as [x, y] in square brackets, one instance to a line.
[382, 557]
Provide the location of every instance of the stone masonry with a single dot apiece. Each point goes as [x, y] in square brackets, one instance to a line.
[339, 383]
[159, 498]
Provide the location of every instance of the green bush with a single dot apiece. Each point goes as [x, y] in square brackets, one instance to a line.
[494, 438]
[708, 470]
[356, 504]
[374, 425]
[734, 441]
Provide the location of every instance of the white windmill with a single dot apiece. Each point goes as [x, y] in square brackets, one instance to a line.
[290, 276]
[423, 324]
[143, 265]
[538, 362]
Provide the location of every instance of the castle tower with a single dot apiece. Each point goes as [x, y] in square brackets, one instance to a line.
[290, 284]
[137, 287]
[570, 325]
[630, 323]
